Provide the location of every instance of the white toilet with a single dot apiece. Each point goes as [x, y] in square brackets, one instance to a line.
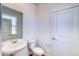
[36, 51]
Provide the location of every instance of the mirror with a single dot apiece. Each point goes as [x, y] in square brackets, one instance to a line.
[12, 20]
[11, 24]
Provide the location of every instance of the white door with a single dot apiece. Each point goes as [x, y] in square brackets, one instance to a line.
[62, 31]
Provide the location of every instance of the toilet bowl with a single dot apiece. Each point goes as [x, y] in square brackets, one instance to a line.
[36, 51]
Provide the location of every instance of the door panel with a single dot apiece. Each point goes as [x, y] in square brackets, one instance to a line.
[62, 28]
[62, 49]
[63, 24]
[76, 32]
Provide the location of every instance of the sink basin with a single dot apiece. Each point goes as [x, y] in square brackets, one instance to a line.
[13, 46]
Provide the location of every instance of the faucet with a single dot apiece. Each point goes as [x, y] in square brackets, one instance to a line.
[13, 41]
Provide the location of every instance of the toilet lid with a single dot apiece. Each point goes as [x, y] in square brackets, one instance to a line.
[38, 51]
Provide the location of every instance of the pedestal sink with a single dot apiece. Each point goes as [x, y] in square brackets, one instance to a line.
[10, 47]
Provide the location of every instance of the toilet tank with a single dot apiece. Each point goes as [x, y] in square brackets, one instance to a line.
[32, 44]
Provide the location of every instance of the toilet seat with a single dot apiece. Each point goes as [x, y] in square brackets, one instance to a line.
[38, 51]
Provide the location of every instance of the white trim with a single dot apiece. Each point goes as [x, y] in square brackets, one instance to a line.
[5, 16]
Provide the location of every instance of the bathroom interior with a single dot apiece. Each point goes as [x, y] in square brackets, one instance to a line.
[39, 29]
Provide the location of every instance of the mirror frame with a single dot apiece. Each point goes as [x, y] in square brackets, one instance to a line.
[10, 13]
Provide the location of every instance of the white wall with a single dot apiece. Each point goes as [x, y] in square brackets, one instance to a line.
[29, 22]
[43, 21]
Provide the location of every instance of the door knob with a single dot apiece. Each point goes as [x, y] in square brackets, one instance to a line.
[53, 39]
